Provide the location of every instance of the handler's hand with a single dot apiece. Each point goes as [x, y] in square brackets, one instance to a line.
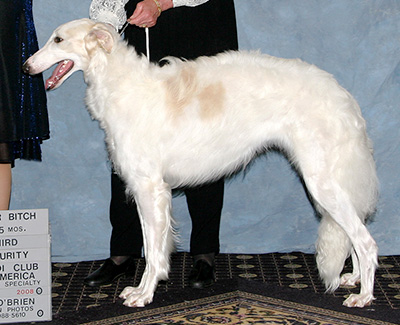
[147, 13]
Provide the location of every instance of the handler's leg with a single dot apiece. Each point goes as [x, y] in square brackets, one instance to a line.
[126, 237]
[5, 185]
[205, 207]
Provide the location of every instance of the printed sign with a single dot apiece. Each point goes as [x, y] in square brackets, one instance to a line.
[23, 309]
[24, 222]
[25, 267]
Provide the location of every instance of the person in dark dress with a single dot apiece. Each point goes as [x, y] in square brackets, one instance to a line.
[23, 107]
[205, 28]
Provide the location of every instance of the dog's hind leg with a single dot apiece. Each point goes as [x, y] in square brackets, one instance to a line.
[342, 212]
[367, 257]
[350, 279]
[154, 206]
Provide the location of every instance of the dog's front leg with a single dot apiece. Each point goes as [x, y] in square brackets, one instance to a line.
[154, 206]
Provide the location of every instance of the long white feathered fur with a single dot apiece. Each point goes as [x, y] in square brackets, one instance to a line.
[193, 122]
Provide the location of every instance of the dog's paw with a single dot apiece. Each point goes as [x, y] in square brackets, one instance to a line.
[128, 291]
[358, 300]
[135, 301]
[135, 297]
[349, 279]
[138, 300]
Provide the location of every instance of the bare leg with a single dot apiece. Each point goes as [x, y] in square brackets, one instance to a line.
[5, 186]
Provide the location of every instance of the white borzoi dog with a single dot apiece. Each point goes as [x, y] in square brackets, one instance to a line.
[192, 122]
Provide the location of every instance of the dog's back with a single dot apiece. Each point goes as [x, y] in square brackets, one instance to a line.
[243, 103]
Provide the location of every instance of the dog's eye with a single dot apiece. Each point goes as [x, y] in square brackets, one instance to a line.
[57, 39]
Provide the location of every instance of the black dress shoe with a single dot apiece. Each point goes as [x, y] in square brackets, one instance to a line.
[109, 272]
[202, 275]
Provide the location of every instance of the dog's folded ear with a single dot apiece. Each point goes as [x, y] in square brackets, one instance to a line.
[99, 35]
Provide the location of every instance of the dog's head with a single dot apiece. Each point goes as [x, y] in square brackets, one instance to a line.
[71, 47]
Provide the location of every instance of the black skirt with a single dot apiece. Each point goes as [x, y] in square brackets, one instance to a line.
[23, 108]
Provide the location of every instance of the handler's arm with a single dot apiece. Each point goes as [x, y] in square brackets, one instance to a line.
[113, 11]
[148, 11]
[109, 11]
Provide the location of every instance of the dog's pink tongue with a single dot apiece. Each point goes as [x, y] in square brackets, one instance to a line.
[62, 68]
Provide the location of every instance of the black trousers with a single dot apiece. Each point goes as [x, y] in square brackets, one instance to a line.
[185, 32]
[205, 206]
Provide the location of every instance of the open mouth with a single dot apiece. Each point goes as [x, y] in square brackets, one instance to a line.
[59, 72]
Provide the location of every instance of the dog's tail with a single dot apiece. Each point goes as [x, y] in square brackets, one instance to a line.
[333, 247]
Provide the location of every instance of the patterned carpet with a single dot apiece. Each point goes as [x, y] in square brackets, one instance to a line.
[238, 308]
[251, 289]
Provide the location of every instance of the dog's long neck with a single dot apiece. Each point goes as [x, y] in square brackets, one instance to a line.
[122, 60]
[108, 72]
